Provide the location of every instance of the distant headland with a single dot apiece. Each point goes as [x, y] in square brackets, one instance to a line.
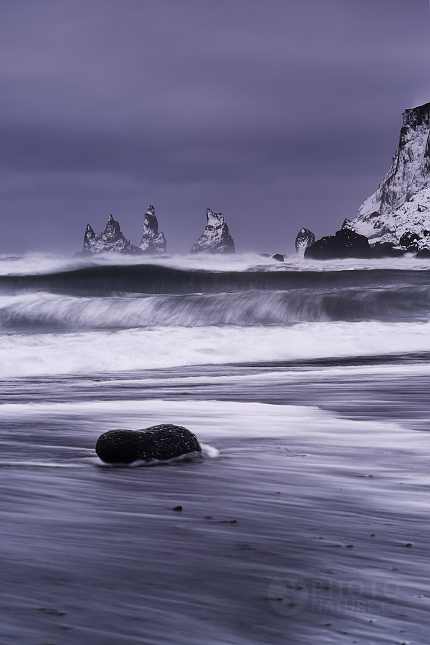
[395, 219]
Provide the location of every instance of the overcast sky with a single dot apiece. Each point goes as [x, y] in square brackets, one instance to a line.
[279, 114]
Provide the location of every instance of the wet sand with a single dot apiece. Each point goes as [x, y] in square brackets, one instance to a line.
[300, 525]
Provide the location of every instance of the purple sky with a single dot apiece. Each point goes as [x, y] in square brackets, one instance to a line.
[280, 114]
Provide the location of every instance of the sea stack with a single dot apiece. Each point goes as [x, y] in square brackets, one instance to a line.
[152, 241]
[344, 244]
[110, 241]
[215, 238]
[304, 238]
[398, 212]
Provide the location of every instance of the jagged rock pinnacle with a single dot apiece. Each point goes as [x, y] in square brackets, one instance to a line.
[152, 241]
[215, 238]
[110, 241]
[304, 238]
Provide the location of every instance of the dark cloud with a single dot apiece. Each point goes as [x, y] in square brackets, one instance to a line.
[278, 110]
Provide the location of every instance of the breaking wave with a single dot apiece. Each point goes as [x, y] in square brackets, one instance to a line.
[30, 312]
[108, 280]
[121, 317]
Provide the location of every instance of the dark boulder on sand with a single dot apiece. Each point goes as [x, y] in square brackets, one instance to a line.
[161, 442]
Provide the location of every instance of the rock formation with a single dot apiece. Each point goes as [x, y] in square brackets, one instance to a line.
[152, 241]
[215, 238]
[161, 442]
[304, 239]
[401, 205]
[345, 244]
[89, 240]
[110, 241]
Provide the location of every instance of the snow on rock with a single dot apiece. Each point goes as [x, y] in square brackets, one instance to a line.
[401, 204]
[152, 241]
[304, 239]
[89, 239]
[215, 238]
[110, 241]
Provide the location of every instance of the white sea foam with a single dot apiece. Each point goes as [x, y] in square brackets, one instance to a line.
[42, 264]
[213, 419]
[319, 373]
[139, 349]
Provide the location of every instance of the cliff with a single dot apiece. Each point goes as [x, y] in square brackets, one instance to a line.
[401, 204]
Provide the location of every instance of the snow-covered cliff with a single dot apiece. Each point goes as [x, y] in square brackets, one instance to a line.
[401, 204]
[152, 241]
[110, 241]
[215, 238]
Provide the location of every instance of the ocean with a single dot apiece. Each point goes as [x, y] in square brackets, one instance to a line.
[304, 521]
